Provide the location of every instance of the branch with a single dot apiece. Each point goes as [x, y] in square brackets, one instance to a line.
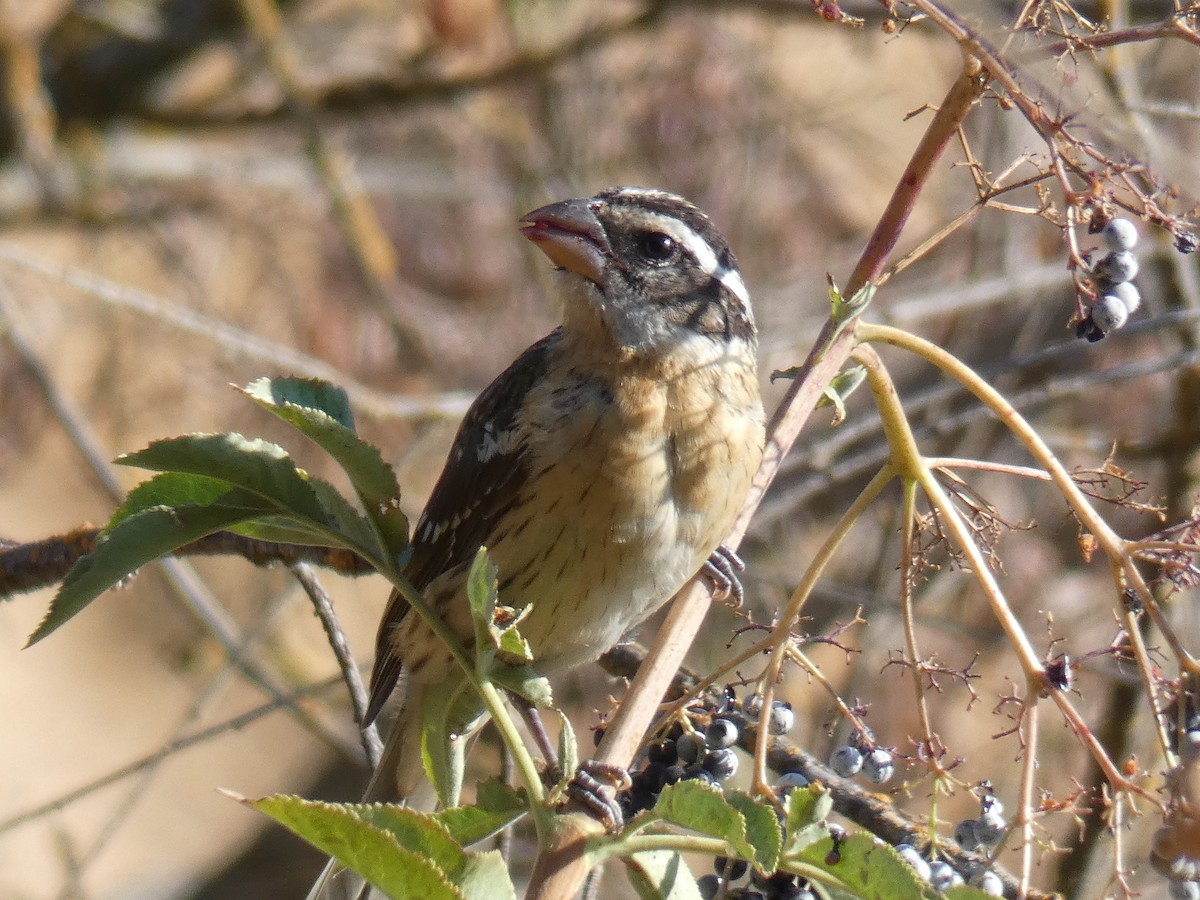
[39, 564]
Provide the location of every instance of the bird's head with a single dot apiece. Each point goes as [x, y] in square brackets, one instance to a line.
[645, 270]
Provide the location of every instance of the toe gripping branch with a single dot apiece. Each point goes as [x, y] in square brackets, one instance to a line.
[594, 787]
[722, 569]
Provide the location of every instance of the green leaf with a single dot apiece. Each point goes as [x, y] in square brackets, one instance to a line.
[419, 832]
[257, 466]
[524, 681]
[496, 806]
[357, 844]
[477, 875]
[568, 747]
[870, 868]
[282, 530]
[348, 520]
[807, 808]
[704, 809]
[762, 830]
[170, 489]
[486, 877]
[136, 540]
[661, 875]
[392, 524]
[482, 595]
[304, 395]
[448, 709]
[321, 411]
[965, 892]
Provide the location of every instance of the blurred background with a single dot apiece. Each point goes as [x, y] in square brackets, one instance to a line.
[195, 193]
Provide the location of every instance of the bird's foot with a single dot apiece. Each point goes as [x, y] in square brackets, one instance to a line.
[722, 569]
[594, 788]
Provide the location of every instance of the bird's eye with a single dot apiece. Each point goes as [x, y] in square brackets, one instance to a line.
[656, 246]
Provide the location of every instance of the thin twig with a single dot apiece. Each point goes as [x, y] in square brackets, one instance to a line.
[342, 653]
[236, 340]
[237, 723]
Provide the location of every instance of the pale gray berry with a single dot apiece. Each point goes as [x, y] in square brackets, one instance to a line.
[782, 718]
[1120, 234]
[752, 705]
[846, 760]
[989, 829]
[919, 864]
[991, 884]
[1109, 313]
[789, 781]
[990, 803]
[878, 767]
[964, 835]
[721, 733]
[1118, 265]
[1184, 890]
[942, 876]
[1128, 294]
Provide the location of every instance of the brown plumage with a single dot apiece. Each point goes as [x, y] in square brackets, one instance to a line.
[602, 468]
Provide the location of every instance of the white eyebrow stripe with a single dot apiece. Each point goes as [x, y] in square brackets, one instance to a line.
[703, 253]
[696, 245]
[732, 279]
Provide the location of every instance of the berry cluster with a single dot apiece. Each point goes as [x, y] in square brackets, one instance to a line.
[777, 886]
[876, 764]
[986, 832]
[942, 876]
[1117, 298]
[704, 748]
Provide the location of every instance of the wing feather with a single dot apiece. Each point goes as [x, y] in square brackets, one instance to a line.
[487, 466]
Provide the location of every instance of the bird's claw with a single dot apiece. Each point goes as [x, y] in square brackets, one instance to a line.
[722, 569]
[594, 786]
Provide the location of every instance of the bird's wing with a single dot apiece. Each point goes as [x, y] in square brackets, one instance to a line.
[484, 473]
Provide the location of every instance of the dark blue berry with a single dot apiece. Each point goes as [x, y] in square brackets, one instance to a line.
[663, 752]
[721, 733]
[708, 886]
[737, 870]
[722, 763]
[651, 779]
[698, 773]
[635, 801]
[689, 748]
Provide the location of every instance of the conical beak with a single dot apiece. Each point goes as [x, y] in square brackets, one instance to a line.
[571, 235]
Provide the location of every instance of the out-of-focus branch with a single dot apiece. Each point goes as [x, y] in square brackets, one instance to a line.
[365, 236]
[38, 564]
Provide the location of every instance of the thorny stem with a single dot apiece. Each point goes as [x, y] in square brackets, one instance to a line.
[1125, 571]
[781, 635]
[906, 458]
[800, 659]
[1029, 765]
[907, 616]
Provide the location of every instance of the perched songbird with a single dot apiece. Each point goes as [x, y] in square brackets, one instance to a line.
[602, 469]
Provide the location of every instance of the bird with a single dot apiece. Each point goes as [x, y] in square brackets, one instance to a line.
[601, 470]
